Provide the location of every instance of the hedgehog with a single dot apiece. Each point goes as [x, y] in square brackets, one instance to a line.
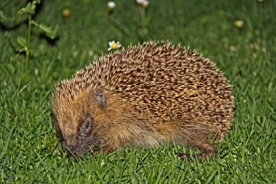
[151, 94]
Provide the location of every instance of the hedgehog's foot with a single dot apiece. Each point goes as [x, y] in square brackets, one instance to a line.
[208, 150]
[105, 149]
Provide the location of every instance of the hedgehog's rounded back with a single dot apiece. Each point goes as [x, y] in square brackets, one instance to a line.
[152, 85]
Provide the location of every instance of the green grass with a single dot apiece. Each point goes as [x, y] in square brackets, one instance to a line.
[29, 149]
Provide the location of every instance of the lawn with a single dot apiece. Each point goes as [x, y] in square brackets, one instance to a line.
[238, 35]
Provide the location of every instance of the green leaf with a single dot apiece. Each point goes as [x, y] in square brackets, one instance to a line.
[30, 8]
[3, 18]
[45, 28]
[21, 41]
[50, 32]
[16, 44]
[21, 11]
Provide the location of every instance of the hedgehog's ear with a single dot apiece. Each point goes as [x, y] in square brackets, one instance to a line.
[99, 97]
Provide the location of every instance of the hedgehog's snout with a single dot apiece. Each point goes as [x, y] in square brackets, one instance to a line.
[74, 149]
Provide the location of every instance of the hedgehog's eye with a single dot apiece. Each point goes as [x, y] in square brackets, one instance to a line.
[85, 126]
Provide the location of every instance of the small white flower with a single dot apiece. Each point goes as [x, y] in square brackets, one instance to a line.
[111, 5]
[143, 3]
[113, 45]
[139, 1]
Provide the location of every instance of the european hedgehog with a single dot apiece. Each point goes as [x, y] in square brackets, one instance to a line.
[145, 95]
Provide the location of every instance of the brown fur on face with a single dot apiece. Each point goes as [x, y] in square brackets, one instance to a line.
[147, 95]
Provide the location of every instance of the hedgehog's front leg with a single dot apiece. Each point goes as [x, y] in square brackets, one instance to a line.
[108, 148]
